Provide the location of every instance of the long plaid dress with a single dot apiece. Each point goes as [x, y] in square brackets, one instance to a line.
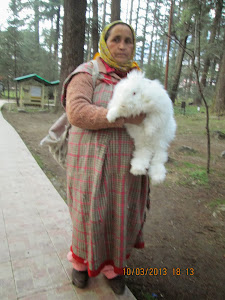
[106, 202]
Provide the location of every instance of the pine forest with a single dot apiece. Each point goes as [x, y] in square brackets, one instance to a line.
[179, 42]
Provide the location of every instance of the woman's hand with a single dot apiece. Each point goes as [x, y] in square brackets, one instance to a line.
[135, 120]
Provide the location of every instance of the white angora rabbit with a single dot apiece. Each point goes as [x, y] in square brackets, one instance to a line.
[134, 95]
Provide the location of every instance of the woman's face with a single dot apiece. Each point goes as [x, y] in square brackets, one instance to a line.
[120, 43]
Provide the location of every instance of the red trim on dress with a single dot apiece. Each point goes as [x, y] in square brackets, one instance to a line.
[139, 245]
[117, 270]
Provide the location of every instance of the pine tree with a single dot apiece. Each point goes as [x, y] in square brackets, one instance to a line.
[73, 37]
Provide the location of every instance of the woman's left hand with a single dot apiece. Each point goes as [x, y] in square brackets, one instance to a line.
[137, 120]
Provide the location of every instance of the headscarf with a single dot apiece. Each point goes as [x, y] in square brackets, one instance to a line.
[106, 55]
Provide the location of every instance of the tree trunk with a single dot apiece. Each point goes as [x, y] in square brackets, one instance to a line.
[156, 45]
[115, 10]
[181, 51]
[57, 35]
[163, 52]
[168, 46]
[73, 37]
[219, 102]
[95, 36]
[104, 14]
[152, 33]
[36, 23]
[144, 36]
[197, 42]
[137, 17]
[213, 73]
[177, 72]
[131, 11]
[15, 71]
[127, 11]
[88, 35]
[190, 78]
[219, 7]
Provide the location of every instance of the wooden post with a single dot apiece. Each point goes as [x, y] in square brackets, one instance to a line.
[55, 95]
[43, 97]
[183, 106]
[21, 95]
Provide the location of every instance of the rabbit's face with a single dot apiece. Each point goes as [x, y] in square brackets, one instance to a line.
[128, 95]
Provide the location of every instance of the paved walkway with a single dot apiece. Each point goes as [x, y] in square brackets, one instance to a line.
[35, 231]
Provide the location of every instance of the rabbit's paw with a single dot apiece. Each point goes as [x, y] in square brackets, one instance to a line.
[112, 115]
[157, 174]
[139, 166]
[137, 171]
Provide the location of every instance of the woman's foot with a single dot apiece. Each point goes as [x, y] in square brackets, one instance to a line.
[80, 278]
[117, 284]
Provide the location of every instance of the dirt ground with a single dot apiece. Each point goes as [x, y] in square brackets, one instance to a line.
[184, 254]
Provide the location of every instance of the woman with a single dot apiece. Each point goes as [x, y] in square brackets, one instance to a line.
[107, 203]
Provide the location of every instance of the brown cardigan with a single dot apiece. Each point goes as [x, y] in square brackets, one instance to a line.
[80, 110]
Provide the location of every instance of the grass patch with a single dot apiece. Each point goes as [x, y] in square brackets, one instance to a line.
[38, 160]
[189, 165]
[149, 297]
[200, 177]
[187, 125]
[194, 121]
[190, 110]
[188, 152]
[12, 107]
[10, 95]
[192, 174]
[216, 203]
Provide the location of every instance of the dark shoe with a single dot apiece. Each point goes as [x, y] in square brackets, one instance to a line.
[80, 278]
[117, 284]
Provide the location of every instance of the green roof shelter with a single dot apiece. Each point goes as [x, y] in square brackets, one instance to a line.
[34, 90]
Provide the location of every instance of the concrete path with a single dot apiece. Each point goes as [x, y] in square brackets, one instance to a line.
[35, 231]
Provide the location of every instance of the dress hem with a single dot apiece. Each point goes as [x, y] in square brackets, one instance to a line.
[119, 271]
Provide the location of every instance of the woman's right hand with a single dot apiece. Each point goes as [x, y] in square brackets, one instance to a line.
[137, 120]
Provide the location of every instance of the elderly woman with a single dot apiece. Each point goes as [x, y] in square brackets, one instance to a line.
[107, 203]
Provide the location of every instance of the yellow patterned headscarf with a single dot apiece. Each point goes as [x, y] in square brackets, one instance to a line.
[106, 55]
